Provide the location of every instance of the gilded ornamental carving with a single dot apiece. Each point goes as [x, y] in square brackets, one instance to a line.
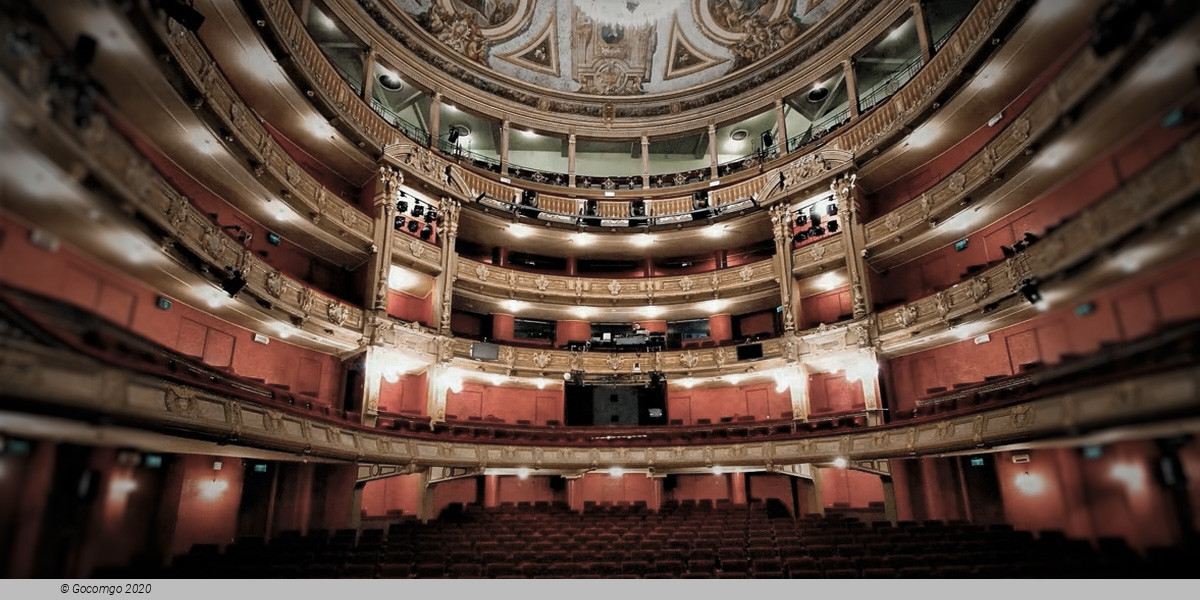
[337, 313]
[274, 283]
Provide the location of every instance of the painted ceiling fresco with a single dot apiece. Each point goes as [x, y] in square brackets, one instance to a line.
[616, 47]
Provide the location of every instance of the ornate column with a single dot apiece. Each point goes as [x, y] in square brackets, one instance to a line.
[781, 227]
[435, 119]
[571, 160]
[922, 31]
[387, 190]
[799, 393]
[491, 491]
[375, 312]
[436, 388]
[368, 72]
[816, 501]
[737, 487]
[645, 163]
[712, 149]
[870, 388]
[781, 127]
[505, 128]
[889, 499]
[854, 241]
[444, 284]
[425, 502]
[851, 86]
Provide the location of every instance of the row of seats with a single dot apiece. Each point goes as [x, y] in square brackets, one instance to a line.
[552, 541]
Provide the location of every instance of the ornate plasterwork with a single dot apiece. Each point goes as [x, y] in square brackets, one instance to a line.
[689, 42]
[610, 60]
[684, 56]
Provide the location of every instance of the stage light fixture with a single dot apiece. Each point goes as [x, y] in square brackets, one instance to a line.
[1029, 289]
[426, 232]
[832, 226]
[413, 226]
[801, 220]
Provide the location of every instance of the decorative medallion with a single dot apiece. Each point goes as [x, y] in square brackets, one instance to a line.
[541, 359]
[892, 221]
[212, 241]
[746, 273]
[337, 313]
[481, 272]
[686, 283]
[614, 287]
[957, 182]
[906, 316]
[541, 282]
[613, 361]
[979, 288]
[689, 359]
[274, 283]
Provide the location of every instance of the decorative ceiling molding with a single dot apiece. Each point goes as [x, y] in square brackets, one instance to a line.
[684, 57]
[541, 54]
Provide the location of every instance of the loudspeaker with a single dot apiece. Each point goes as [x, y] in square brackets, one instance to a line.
[768, 140]
[749, 352]
[670, 482]
[184, 14]
[84, 52]
[558, 483]
[452, 137]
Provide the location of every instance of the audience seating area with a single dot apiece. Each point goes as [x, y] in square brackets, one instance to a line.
[682, 540]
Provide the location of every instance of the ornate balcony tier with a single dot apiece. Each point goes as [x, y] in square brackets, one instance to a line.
[301, 191]
[1172, 180]
[131, 178]
[73, 385]
[900, 230]
[498, 282]
[655, 114]
[864, 134]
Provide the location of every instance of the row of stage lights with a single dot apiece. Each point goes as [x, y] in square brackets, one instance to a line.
[420, 218]
[816, 226]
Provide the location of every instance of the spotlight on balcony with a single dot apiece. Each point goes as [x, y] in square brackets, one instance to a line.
[413, 226]
[1029, 289]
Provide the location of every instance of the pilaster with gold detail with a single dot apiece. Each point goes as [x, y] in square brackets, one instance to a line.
[444, 284]
[387, 188]
[788, 298]
[846, 195]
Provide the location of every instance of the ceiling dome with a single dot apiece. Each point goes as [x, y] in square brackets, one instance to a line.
[613, 59]
[615, 47]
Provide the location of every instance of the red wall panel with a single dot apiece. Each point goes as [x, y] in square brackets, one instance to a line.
[410, 308]
[849, 488]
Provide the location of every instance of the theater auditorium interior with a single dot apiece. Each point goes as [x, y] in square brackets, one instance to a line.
[599, 289]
